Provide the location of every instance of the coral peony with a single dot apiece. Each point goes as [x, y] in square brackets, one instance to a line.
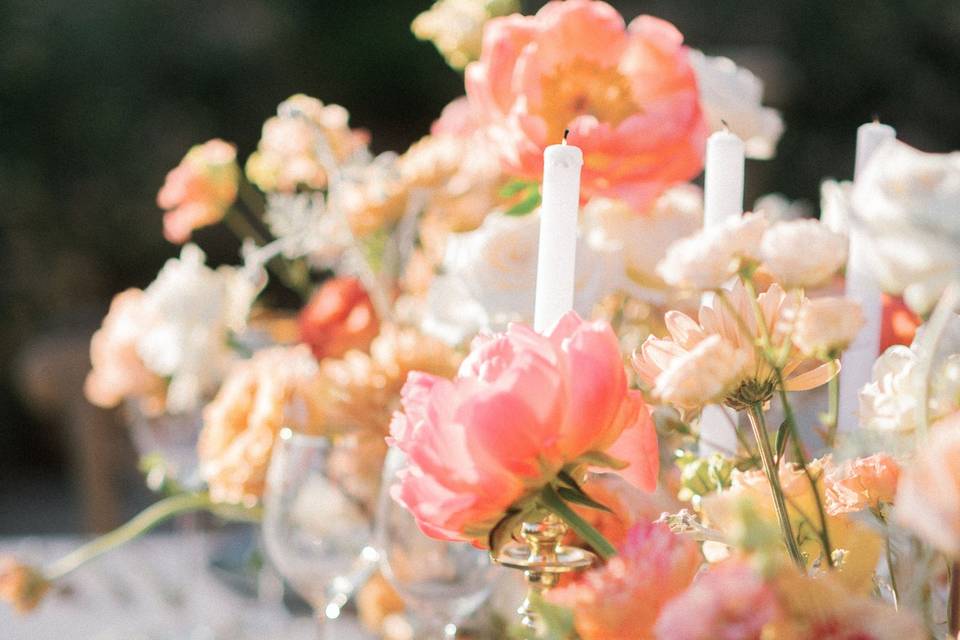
[200, 190]
[621, 600]
[338, 317]
[628, 95]
[279, 387]
[862, 483]
[729, 602]
[21, 585]
[679, 367]
[521, 407]
[826, 326]
[118, 371]
[802, 253]
[928, 498]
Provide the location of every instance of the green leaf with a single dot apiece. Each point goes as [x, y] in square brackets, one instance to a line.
[502, 532]
[514, 187]
[783, 435]
[530, 202]
[579, 497]
[567, 479]
[601, 459]
[551, 500]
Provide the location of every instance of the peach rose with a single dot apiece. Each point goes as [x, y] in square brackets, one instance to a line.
[521, 407]
[118, 372]
[278, 387]
[862, 483]
[338, 317]
[628, 95]
[623, 598]
[200, 190]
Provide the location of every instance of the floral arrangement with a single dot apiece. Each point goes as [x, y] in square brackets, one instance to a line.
[416, 274]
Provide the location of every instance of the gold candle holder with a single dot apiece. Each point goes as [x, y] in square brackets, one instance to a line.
[543, 559]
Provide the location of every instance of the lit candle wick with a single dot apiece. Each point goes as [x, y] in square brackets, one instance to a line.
[566, 132]
[726, 127]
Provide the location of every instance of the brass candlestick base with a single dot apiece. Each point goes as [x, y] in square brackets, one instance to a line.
[543, 560]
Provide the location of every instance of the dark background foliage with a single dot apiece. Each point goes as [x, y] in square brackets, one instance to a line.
[99, 98]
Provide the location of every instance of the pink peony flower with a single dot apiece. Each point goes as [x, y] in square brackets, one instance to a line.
[118, 371]
[730, 602]
[622, 599]
[928, 498]
[861, 483]
[521, 407]
[199, 191]
[628, 95]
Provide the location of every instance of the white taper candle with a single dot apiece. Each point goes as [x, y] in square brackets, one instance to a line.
[861, 285]
[557, 254]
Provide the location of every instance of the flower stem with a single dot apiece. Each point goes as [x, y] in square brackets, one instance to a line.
[552, 501]
[893, 574]
[140, 524]
[243, 229]
[830, 428]
[953, 600]
[758, 424]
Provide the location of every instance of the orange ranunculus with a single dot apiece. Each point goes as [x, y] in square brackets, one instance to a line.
[628, 95]
[899, 324]
[521, 407]
[861, 483]
[622, 599]
[199, 191]
[339, 317]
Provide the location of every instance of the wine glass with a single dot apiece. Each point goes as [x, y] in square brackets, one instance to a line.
[317, 518]
[440, 582]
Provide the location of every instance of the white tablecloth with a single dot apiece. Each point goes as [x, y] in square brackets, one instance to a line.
[156, 588]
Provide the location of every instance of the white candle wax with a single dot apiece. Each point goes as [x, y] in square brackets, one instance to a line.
[557, 254]
[723, 199]
[861, 285]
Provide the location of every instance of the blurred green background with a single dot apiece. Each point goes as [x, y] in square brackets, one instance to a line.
[100, 98]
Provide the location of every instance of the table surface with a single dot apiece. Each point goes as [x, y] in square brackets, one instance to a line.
[155, 588]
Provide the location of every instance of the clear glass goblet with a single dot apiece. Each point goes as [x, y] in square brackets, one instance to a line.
[442, 583]
[318, 519]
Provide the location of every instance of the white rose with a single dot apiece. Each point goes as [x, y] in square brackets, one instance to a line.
[708, 259]
[909, 203]
[641, 240]
[735, 95]
[193, 310]
[802, 253]
[826, 326]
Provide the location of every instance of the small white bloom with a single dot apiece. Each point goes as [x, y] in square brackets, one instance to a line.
[908, 201]
[641, 240]
[710, 258]
[778, 208]
[802, 253]
[835, 205]
[826, 326]
[735, 95]
[193, 310]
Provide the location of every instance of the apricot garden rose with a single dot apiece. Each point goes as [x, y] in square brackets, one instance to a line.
[628, 95]
[522, 406]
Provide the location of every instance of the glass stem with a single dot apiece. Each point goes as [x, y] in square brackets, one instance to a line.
[758, 423]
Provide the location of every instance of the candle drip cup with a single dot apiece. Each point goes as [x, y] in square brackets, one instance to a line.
[543, 560]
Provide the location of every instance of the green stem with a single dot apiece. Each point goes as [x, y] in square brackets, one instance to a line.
[552, 501]
[953, 600]
[893, 574]
[833, 391]
[758, 424]
[250, 198]
[140, 524]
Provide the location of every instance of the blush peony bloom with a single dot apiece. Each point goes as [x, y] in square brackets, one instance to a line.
[622, 599]
[680, 366]
[861, 483]
[338, 317]
[928, 498]
[200, 190]
[521, 407]
[802, 253]
[826, 326]
[710, 258]
[728, 602]
[118, 371]
[628, 95]
[279, 387]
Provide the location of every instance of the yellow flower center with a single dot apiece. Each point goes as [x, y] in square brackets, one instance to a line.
[583, 87]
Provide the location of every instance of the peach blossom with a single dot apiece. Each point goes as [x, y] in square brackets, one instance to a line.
[338, 317]
[279, 387]
[729, 602]
[862, 483]
[826, 326]
[928, 498]
[521, 407]
[628, 95]
[802, 253]
[118, 371]
[622, 599]
[665, 364]
[200, 190]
